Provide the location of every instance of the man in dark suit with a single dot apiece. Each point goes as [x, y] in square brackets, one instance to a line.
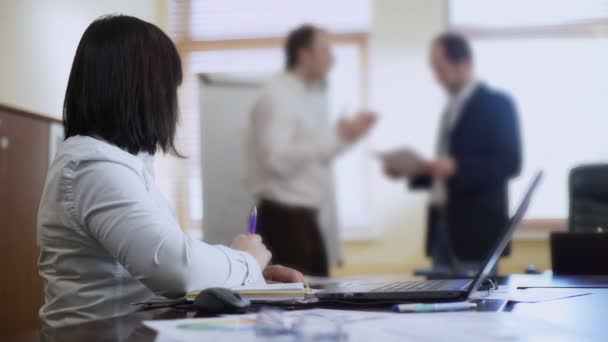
[478, 152]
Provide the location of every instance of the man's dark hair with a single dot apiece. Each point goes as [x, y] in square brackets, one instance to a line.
[455, 47]
[300, 38]
[123, 86]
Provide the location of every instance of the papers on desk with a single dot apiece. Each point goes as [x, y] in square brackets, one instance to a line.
[370, 326]
[268, 292]
[529, 295]
[467, 326]
[242, 327]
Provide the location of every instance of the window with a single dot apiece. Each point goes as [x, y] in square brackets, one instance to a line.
[559, 86]
[231, 36]
[238, 19]
[557, 76]
[207, 20]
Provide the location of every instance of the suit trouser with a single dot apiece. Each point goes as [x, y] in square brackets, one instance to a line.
[293, 236]
[441, 251]
[440, 246]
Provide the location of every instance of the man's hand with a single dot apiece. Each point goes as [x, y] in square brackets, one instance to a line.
[253, 245]
[351, 130]
[397, 174]
[394, 173]
[443, 167]
[282, 274]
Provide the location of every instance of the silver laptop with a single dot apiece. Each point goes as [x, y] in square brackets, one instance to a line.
[431, 290]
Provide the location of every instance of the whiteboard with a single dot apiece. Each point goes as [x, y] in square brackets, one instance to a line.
[225, 103]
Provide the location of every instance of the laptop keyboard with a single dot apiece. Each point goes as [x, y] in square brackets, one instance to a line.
[412, 286]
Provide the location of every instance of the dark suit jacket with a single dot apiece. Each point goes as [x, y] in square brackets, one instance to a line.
[486, 145]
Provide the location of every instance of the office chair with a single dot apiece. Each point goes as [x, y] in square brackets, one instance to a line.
[588, 199]
[584, 248]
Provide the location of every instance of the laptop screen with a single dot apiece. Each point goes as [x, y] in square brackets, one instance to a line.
[506, 235]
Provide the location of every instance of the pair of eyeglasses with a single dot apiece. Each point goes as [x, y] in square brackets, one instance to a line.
[273, 322]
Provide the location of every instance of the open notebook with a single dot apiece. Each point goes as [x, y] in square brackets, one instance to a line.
[268, 292]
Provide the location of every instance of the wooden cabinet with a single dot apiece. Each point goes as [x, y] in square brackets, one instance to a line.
[24, 160]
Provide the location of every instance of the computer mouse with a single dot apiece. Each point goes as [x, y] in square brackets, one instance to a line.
[219, 300]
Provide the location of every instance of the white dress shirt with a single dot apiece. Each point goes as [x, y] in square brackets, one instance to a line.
[450, 118]
[108, 238]
[289, 145]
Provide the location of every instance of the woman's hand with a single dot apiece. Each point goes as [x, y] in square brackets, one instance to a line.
[253, 245]
[282, 274]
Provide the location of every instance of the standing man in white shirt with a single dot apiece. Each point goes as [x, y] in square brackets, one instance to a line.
[289, 148]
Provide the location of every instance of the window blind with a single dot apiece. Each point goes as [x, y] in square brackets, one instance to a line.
[203, 20]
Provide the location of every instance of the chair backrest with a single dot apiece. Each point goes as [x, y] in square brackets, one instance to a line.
[588, 198]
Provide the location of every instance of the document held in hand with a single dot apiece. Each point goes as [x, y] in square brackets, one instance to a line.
[404, 160]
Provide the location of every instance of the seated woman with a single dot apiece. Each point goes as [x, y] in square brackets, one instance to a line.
[107, 237]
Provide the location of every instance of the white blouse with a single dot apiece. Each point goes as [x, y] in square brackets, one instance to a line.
[108, 238]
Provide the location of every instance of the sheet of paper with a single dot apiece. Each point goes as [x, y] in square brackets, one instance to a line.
[531, 295]
[369, 326]
[271, 287]
[242, 327]
[205, 329]
[464, 326]
[402, 159]
[164, 338]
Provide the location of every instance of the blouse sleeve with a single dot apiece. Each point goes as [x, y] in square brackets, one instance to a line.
[113, 204]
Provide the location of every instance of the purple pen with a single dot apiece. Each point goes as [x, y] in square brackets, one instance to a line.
[253, 220]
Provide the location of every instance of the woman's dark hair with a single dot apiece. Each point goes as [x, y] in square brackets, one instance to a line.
[300, 38]
[123, 86]
[455, 47]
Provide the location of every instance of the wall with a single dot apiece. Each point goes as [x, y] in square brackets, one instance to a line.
[404, 92]
[39, 39]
